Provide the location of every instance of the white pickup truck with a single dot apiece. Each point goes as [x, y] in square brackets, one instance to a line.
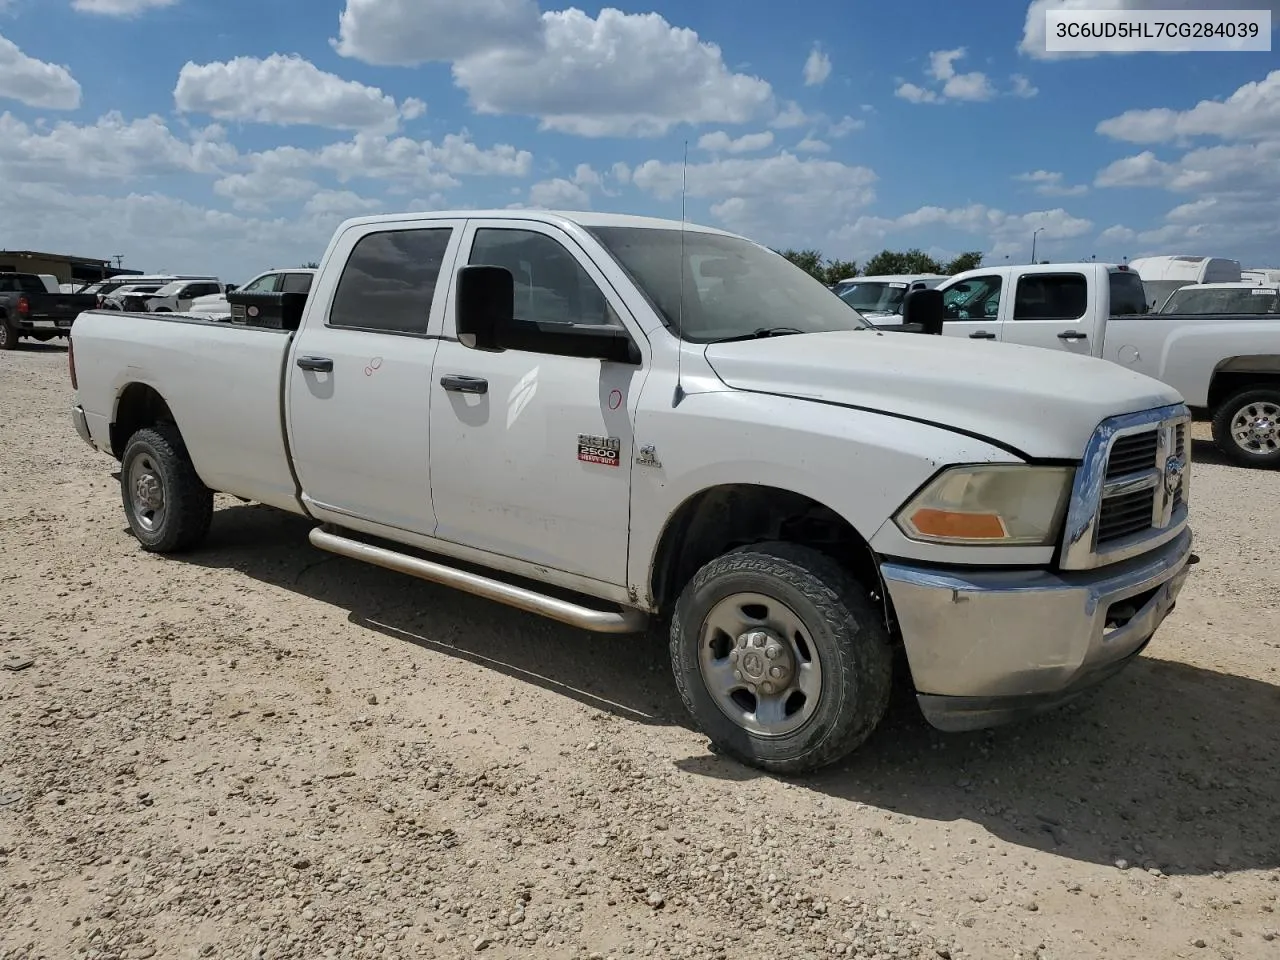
[1226, 365]
[656, 421]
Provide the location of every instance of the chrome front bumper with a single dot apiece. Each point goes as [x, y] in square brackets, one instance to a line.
[988, 647]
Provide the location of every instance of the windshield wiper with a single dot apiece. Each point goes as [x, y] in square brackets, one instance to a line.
[760, 333]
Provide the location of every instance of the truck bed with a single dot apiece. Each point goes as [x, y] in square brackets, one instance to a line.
[222, 383]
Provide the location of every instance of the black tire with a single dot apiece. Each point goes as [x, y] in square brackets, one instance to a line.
[9, 335]
[188, 503]
[1227, 411]
[845, 626]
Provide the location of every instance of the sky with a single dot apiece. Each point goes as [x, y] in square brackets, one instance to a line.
[230, 136]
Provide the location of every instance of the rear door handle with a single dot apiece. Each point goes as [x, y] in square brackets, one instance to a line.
[457, 383]
[982, 335]
[318, 364]
[1072, 335]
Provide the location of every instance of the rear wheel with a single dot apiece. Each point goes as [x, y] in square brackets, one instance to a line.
[8, 335]
[168, 506]
[1246, 427]
[781, 657]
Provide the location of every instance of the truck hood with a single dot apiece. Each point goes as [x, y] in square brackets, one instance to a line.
[1040, 402]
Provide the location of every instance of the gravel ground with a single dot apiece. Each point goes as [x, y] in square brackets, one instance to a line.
[260, 750]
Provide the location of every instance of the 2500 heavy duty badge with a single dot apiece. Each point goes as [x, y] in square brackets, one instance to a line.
[606, 451]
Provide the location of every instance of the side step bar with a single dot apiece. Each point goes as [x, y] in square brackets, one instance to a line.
[597, 621]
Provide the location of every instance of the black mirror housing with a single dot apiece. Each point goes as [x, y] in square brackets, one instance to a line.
[484, 305]
[924, 308]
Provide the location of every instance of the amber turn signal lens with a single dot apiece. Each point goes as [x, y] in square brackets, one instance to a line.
[947, 524]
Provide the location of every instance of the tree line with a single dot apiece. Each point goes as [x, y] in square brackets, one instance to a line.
[884, 262]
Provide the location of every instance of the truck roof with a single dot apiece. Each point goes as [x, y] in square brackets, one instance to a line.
[582, 218]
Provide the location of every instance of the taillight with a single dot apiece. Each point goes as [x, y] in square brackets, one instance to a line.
[24, 306]
[71, 362]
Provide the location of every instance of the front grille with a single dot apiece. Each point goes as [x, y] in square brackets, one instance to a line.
[1132, 454]
[1180, 449]
[1126, 514]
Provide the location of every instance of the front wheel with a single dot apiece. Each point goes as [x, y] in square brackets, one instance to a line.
[1246, 427]
[781, 657]
[167, 504]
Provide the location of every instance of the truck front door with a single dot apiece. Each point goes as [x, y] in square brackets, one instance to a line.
[359, 381]
[971, 308]
[531, 452]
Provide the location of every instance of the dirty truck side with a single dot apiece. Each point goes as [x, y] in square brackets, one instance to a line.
[657, 423]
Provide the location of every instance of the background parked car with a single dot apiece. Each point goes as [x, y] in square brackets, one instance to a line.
[278, 280]
[177, 297]
[1210, 299]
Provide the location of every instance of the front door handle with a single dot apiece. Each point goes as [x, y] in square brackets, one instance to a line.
[1072, 335]
[982, 335]
[457, 383]
[318, 364]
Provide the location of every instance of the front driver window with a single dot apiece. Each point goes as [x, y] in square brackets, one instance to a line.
[265, 284]
[550, 285]
[975, 299]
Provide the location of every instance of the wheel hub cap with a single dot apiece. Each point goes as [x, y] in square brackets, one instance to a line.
[1264, 429]
[149, 492]
[763, 661]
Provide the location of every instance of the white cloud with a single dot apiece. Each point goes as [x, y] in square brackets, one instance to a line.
[120, 8]
[559, 194]
[410, 32]
[813, 145]
[34, 82]
[999, 232]
[845, 126]
[1252, 112]
[1022, 87]
[973, 86]
[616, 74]
[259, 190]
[341, 204]
[1117, 233]
[1033, 30]
[1049, 183]
[1143, 170]
[782, 197]
[720, 142]
[287, 91]
[817, 68]
[112, 149]
[791, 115]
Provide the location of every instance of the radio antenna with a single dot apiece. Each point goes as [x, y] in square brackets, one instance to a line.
[684, 196]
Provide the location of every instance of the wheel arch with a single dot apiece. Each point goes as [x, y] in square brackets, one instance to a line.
[138, 405]
[722, 517]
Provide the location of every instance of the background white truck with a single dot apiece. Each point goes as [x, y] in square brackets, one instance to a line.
[620, 418]
[1225, 365]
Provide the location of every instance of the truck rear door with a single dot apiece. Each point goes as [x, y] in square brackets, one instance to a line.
[359, 378]
[531, 451]
[1056, 310]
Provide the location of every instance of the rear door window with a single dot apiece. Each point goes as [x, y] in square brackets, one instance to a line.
[1051, 296]
[389, 281]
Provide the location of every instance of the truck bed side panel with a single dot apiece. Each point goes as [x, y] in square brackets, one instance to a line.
[222, 384]
[1185, 350]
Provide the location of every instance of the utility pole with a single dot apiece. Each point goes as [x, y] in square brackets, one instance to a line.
[119, 259]
[1033, 243]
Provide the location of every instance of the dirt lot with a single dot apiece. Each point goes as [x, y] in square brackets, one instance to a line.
[263, 751]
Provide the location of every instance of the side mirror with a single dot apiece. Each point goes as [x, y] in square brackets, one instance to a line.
[484, 305]
[924, 307]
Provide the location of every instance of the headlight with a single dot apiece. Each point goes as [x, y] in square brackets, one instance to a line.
[993, 504]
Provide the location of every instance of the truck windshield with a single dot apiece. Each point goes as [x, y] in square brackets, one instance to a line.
[732, 287]
[874, 296]
[1198, 300]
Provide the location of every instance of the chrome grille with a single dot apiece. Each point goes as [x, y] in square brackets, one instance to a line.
[1126, 514]
[1133, 454]
[1131, 489]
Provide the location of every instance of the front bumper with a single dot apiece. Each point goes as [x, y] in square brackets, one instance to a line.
[990, 647]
